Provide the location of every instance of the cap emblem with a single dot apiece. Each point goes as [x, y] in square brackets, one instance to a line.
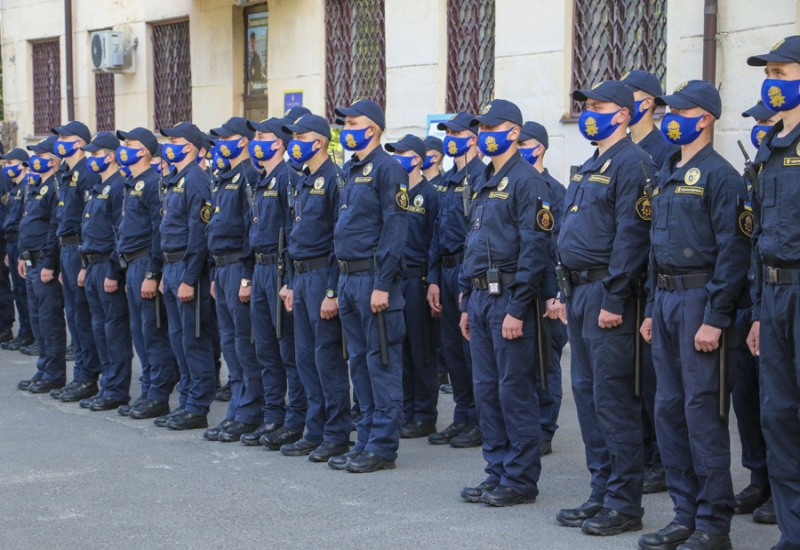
[486, 109]
[778, 45]
[681, 86]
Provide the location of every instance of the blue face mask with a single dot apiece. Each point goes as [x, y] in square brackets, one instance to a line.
[638, 113]
[528, 155]
[64, 149]
[38, 164]
[428, 162]
[220, 163]
[127, 155]
[680, 130]
[354, 140]
[757, 134]
[125, 172]
[173, 152]
[34, 179]
[780, 95]
[13, 171]
[156, 166]
[229, 148]
[98, 165]
[492, 144]
[261, 150]
[405, 162]
[455, 146]
[596, 126]
[301, 151]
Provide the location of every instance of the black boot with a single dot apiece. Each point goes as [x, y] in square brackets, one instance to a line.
[252, 439]
[609, 522]
[701, 540]
[668, 538]
[574, 517]
[655, 480]
[766, 513]
[751, 497]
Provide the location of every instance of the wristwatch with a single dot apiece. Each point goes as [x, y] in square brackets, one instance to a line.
[245, 283]
[149, 275]
[331, 293]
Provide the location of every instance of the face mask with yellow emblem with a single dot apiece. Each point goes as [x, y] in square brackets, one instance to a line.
[261, 150]
[679, 129]
[757, 134]
[127, 156]
[597, 126]
[780, 95]
[455, 146]
[64, 149]
[301, 151]
[492, 144]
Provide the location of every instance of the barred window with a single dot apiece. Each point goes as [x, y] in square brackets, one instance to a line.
[355, 53]
[104, 101]
[612, 37]
[470, 55]
[46, 86]
[172, 74]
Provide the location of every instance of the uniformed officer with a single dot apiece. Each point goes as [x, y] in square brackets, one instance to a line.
[38, 265]
[756, 498]
[420, 357]
[369, 240]
[6, 294]
[505, 259]
[71, 188]
[434, 155]
[700, 205]
[313, 297]
[233, 259]
[644, 132]
[461, 144]
[269, 226]
[15, 169]
[603, 244]
[533, 144]
[185, 283]
[139, 250]
[101, 275]
[776, 236]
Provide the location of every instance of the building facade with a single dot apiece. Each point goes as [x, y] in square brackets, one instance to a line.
[211, 59]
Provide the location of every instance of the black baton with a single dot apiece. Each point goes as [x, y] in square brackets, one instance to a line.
[723, 377]
[381, 320]
[544, 341]
[158, 309]
[197, 310]
[637, 358]
[345, 355]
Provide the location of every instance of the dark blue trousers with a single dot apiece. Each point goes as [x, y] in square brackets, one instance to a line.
[780, 404]
[508, 407]
[652, 455]
[695, 443]
[159, 368]
[46, 306]
[247, 391]
[420, 379]
[610, 415]
[87, 362]
[550, 399]
[276, 358]
[379, 387]
[195, 356]
[320, 362]
[746, 403]
[6, 294]
[20, 292]
[456, 349]
[112, 333]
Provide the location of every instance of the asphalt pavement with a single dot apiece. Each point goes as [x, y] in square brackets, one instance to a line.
[75, 479]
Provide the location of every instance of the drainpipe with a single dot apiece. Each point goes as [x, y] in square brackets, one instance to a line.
[68, 54]
[710, 42]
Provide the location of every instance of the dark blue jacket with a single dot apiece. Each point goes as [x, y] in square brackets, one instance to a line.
[657, 147]
[101, 218]
[16, 201]
[271, 210]
[422, 242]
[141, 218]
[373, 215]
[38, 226]
[73, 185]
[5, 195]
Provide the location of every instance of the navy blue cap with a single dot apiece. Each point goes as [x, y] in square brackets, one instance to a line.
[534, 130]
[497, 112]
[187, 131]
[208, 143]
[17, 154]
[457, 123]
[142, 135]
[433, 143]
[235, 126]
[694, 93]
[74, 128]
[296, 112]
[644, 81]
[410, 142]
[307, 123]
[759, 111]
[273, 126]
[364, 107]
[615, 91]
[44, 146]
[103, 140]
[787, 50]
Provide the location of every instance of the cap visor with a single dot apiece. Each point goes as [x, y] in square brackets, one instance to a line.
[583, 95]
[675, 101]
[398, 147]
[61, 131]
[759, 112]
[90, 148]
[170, 132]
[295, 129]
[761, 60]
[451, 125]
[486, 120]
[345, 112]
[121, 135]
[222, 131]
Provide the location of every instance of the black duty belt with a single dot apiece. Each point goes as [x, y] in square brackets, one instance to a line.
[130, 256]
[454, 260]
[482, 283]
[304, 266]
[228, 259]
[12, 237]
[32, 255]
[70, 239]
[97, 258]
[174, 257]
[780, 275]
[416, 272]
[266, 259]
[688, 281]
[355, 266]
[577, 278]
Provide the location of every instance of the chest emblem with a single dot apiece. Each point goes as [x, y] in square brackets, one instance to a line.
[139, 186]
[43, 190]
[419, 200]
[74, 177]
[503, 184]
[367, 169]
[692, 176]
[271, 183]
[106, 189]
[319, 182]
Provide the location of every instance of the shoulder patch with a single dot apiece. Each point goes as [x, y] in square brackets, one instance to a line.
[401, 198]
[544, 217]
[644, 209]
[745, 219]
[205, 212]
